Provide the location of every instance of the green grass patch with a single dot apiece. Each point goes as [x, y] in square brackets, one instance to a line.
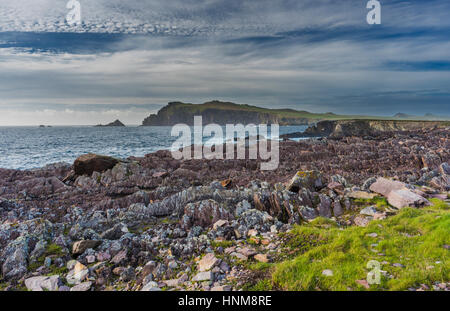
[414, 238]
[380, 202]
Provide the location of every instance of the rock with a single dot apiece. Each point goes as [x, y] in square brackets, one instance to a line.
[441, 182]
[116, 123]
[311, 180]
[327, 272]
[261, 258]
[80, 247]
[361, 221]
[404, 197]
[41, 283]
[172, 283]
[203, 276]
[127, 274]
[103, 256]
[324, 207]
[83, 287]
[220, 223]
[246, 251]
[384, 186]
[397, 194]
[367, 183]
[226, 183]
[372, 235]
[15, 265]
[151, 287]
[363, 283]
[204, 214]
[368, 211]
[444, 168]
[239, 256]
[337, 208]
[172, 265]
[120, 257]
[221, 288]
[431, 160]
[336, 187]
[89, 163]
[252, 233]
[115, 232]
[398, 265]
[208, 262]
[160, 174]
[361, 195]
[308, 213]
[78, 274]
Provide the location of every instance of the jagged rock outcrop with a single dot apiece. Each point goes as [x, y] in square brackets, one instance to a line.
[361, 128]
[116, 123]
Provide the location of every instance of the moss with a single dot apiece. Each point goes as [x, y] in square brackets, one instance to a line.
[379, 202]
[52, 250]
[223, 244]
[414, 238]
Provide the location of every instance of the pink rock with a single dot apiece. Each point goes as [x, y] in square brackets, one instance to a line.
[208, 262]
[384, 186]
[103, 256]
[404, 197]
[122, 255]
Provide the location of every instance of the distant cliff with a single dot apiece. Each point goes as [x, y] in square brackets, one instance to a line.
[344, 128]
[229, 113]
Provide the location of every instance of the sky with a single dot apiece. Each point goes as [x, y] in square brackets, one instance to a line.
[128, 59]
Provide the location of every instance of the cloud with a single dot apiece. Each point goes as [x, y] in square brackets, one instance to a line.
[130, 58]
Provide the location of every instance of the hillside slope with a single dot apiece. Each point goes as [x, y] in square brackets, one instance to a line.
[226, 112]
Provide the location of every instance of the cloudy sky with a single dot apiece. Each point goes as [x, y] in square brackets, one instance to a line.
[129, 58]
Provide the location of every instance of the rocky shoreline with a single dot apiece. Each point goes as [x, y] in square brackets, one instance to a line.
[155, 223]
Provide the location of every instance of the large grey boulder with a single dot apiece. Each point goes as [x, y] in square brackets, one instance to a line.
[311, 180]
[41, 283]
[397, 194]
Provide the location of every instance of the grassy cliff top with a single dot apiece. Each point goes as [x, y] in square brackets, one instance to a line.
[175, 107]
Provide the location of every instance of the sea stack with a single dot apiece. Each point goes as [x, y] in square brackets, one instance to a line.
[116, 123]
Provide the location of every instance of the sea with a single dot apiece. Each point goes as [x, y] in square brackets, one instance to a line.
[26, 148]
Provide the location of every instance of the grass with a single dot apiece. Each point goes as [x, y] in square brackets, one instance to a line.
[380, 202]
[52, 250]
[414, 238]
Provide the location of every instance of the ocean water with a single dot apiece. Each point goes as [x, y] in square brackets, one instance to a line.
[33, 147]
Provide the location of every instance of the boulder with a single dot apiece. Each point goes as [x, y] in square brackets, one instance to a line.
[405, 197]
[324, 207]
[78, 274]
[203, 276]
[444, 169]
[89, 163]
[384, 186]
[431, 160]
[397, 194]
[41, 283]
[208, 262]
[311, 180]
[79, 247]
[83, 287]
[204, 214]
[262, 258]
